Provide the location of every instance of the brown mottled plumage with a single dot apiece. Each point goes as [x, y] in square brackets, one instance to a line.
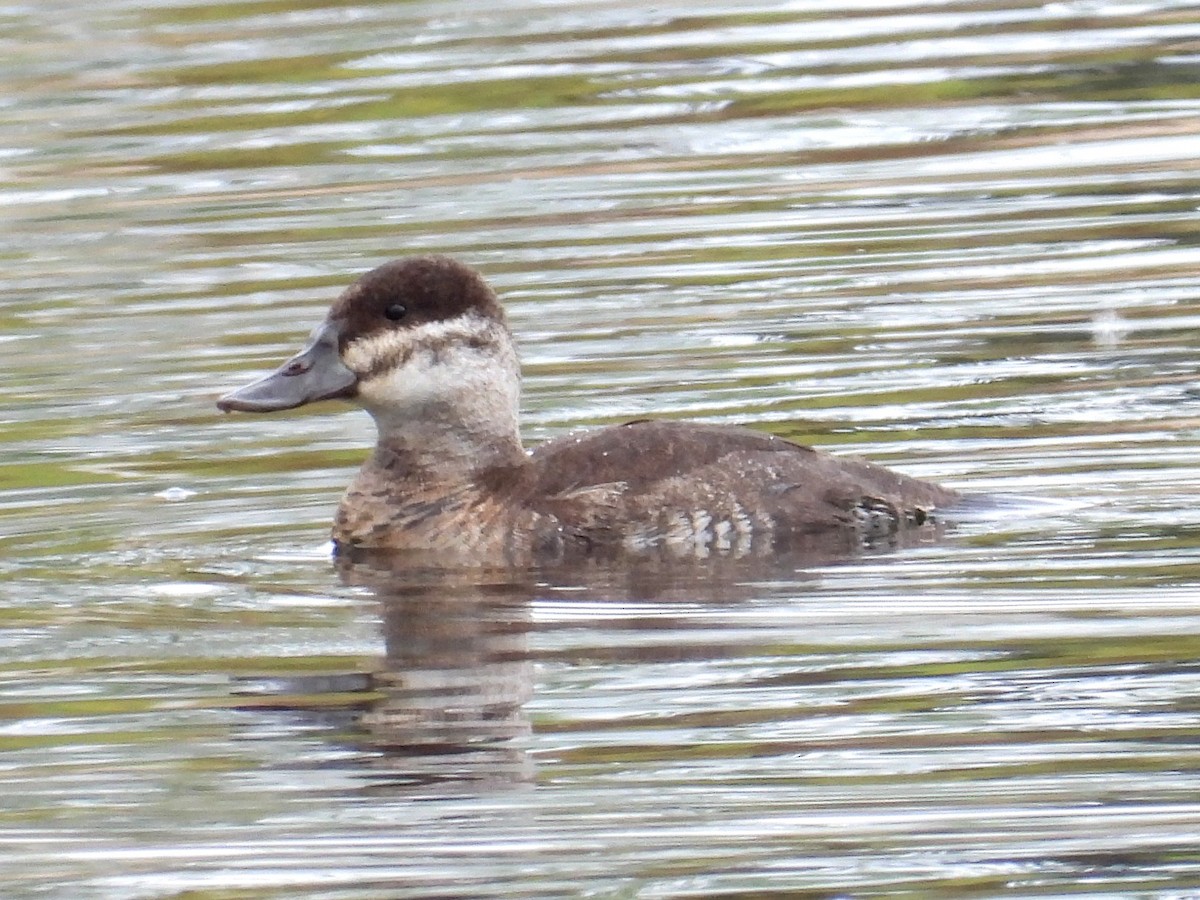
[422, 344]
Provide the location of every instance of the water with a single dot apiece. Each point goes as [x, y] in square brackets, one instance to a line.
[958, 238]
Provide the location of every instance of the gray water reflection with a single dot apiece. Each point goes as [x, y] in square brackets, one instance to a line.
[443, 710]
[452, 685]
[957, 238]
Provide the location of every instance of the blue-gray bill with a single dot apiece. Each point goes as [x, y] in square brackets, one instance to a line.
[315, 373]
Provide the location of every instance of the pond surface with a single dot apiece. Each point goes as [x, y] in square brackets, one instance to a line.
[960, 239]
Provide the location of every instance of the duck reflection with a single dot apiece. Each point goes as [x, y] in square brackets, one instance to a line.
[455, 676]
[443, 712]
[458, 667]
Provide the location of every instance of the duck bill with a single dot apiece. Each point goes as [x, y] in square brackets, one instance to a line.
[315, 373]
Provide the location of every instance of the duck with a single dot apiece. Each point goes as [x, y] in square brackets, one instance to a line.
[423, 345]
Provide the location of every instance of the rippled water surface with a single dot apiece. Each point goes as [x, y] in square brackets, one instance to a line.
[960, 239]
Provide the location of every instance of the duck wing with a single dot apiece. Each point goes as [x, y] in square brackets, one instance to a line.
[671, 483]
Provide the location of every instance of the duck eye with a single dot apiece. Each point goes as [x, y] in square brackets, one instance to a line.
[396, 312]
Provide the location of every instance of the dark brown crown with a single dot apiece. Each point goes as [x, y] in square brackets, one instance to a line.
[407, 292]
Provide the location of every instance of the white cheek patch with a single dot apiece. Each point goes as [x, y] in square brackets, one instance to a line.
[360, 357]
[391, 349]
[461, 361]
[421, 381]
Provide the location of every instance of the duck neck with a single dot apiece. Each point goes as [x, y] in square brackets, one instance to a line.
[425, 488]
[446, 450]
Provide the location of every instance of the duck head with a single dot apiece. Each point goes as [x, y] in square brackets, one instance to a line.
[421, 344]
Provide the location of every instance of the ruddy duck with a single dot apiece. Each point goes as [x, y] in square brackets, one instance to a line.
[422, 345]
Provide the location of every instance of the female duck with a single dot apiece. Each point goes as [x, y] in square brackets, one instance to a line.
[423, 346]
